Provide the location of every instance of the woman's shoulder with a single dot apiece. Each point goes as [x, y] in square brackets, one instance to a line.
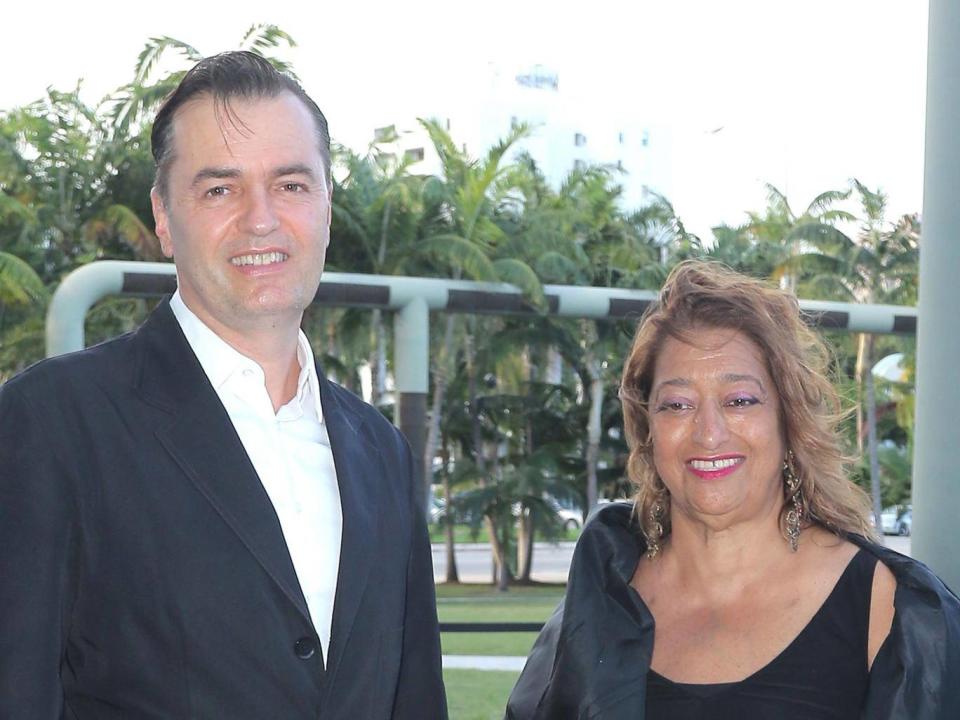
[907, 572]
[611, 540]
[918, 666]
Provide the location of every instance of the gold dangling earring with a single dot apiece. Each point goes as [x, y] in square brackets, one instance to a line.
[655, 516]
[794, 516]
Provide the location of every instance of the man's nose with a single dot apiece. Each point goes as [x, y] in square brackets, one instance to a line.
[710, 426]
[259, 215]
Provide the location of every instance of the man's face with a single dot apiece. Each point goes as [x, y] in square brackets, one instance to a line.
[247, 212]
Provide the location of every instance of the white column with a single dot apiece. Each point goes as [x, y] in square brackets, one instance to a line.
[936, 473]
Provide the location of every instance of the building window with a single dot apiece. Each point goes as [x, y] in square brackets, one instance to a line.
[645, 138]
[385, 134]
[579, 139]
[414, 154]
[579, 165]
[620, 138]
[514, 122]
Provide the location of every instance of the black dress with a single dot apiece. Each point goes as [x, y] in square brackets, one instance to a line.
[822, 673]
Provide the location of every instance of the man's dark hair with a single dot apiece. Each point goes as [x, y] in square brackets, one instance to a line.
[235, 74]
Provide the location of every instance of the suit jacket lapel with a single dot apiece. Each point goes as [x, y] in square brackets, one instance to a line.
[359, 470]
[202, 440]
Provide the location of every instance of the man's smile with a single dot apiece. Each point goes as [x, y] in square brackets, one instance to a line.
[259, 258]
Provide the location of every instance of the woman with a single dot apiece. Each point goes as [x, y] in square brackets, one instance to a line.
[740, 583]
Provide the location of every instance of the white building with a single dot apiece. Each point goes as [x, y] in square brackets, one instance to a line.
[565, 134]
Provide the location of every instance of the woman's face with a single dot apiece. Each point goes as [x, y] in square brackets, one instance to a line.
[714, 418]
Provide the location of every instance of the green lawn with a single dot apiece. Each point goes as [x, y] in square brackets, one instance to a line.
[478, 694]
[482, 694]
[484, 603]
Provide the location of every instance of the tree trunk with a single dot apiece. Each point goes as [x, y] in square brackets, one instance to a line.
[871, 403]
[505, 576]
[498, 546]
[452, 576]
[525, 525]
[858, 378]
[378, 367]
[525, 538]
[378, 363]
[554, 373]
[476, 437]
[331, 344]
[439, 395]
[593, 439]
[595, 418]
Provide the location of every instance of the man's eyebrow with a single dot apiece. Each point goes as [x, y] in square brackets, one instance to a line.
[214, 173]
[294, 169]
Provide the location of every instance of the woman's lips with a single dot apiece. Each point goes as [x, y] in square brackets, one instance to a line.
[713, 468]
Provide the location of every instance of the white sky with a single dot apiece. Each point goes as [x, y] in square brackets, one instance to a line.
[808, 92]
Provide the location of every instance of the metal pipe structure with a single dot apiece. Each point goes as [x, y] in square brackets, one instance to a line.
[414, 298]
[88, 284]
[936, 482]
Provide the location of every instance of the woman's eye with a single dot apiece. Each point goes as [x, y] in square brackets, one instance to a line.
[742, 402]
[673, 406]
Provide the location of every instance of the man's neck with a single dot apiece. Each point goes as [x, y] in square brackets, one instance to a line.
[276, 353]
[271, 343]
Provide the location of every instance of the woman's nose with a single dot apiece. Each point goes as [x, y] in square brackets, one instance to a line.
[710, 426]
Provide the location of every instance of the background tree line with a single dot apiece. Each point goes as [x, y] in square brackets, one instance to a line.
[523, 411]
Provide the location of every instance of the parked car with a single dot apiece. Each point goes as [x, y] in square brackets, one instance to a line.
[897, 520]
[571, 519]
[905, 523]
[888, 520]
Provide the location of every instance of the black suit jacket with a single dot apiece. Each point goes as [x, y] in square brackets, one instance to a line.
[144, 573]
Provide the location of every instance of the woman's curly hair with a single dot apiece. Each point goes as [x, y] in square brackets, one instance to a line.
[698, 295]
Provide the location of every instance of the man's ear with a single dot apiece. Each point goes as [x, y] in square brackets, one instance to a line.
[162, 222]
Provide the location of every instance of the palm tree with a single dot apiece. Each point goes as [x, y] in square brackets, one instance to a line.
[135, 102]
[621, 250]
[378, 211]
[768, 242]
[464, 245]
[878, 265]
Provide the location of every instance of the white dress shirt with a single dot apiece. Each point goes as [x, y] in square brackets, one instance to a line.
[290, 450]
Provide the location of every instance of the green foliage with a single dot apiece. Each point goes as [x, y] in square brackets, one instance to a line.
[527, 407]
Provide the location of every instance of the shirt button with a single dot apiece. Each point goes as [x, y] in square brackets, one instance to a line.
[305, 648]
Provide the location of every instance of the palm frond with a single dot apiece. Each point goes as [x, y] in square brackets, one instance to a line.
[516, 272]
[460, 253]
[19, 283]
[155, 48]
[825, 201]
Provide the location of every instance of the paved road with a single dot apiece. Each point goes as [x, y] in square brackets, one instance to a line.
[551, 562]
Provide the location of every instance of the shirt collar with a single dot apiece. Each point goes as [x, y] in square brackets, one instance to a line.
[220, 360]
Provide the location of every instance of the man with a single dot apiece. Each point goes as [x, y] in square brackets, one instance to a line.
[194, 522]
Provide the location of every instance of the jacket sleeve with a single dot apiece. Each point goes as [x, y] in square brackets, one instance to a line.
[36, 527]
[914, 676]
[532, 684]
[420, 693]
